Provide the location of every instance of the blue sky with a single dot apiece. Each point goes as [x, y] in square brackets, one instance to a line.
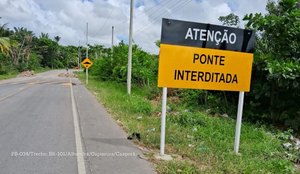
[67, 18]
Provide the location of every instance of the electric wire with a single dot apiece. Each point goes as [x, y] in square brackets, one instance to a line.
[182, 5]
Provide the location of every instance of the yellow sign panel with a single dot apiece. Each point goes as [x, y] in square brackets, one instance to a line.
[203, 68]
[86, 63]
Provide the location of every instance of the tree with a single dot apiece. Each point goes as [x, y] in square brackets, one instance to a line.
[21, 47]
[277, 60]
[20, 50]
[4, 45]
[49, 50]
[68, 56]
[230, 20]
[4, 40]
[144, 65]
[44, 35]
[4, 32]
[57, 38]
[96, 51]
[157, 43]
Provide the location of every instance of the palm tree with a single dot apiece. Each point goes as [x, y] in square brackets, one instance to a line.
[44, 35]
[4, 41]
[3, 30]
[21, 49]
[57, 38]
[4, 45]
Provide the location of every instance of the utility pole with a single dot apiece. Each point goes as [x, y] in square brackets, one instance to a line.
[79, 56]
[130, 48]
[112, 40]
[87, 53]
[87, 41]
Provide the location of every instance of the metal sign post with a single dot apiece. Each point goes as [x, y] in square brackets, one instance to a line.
[87, 76]
[163, 121]
[239, 122]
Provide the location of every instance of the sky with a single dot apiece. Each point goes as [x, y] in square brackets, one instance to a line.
[68, 18]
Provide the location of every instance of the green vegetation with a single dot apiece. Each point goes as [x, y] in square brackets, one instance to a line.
[274, 98]
[8, 76]
[114, 67]
[276, 72]
[200, 143]
[21, 50]
[201, 123]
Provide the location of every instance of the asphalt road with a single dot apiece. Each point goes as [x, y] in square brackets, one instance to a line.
[51, 124]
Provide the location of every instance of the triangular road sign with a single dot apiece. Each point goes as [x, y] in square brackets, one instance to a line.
[86, 63]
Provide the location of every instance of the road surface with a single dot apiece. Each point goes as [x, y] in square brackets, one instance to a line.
[51, 124]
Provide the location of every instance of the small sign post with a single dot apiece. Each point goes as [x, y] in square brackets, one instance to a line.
[204, 56]
[238, 122]
[86, 63]
[163, 121]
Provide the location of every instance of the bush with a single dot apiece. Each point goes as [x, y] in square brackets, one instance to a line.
[34, 62]
[144, 66]
[5, 65]
[102, 68]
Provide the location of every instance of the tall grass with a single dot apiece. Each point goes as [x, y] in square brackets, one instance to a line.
[199, 143]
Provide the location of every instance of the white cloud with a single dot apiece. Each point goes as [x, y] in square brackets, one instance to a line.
[68, 18]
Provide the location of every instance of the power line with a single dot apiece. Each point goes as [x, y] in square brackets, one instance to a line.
[104, 23]
[173, 5]
[164, 9]
[187, 2]
[159, 16]
[158, 10]
[182, 4]
[162, 6]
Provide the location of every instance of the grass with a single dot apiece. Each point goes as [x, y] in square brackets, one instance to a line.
[8, 76]
[198, 142]
[40, 70]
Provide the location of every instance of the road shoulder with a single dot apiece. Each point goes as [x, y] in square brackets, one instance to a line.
[106, 145]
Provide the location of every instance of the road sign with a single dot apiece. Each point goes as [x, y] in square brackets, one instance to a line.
[87, 63]
[205, 56]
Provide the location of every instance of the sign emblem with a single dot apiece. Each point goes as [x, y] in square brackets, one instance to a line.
[87, 63]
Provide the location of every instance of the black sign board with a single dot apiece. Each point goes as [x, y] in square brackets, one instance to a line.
[193, 34]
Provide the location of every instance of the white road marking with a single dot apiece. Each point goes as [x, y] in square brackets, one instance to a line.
[79, 149]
